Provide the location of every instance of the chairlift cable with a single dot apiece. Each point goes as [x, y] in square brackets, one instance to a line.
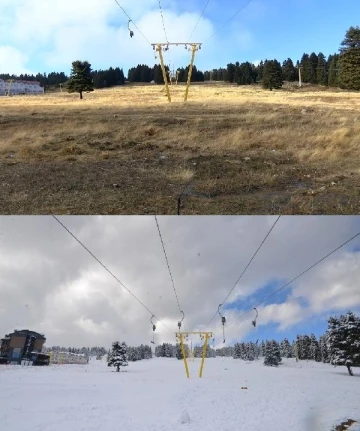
[295, 278]
[246, 267]
[163, 21]
[137, 28]
[229, 19]
[201, 15]
[167, 262]
[110, 272]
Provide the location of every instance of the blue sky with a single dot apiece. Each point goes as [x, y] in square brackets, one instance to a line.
[44, 36]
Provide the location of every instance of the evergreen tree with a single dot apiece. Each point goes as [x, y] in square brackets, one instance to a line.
[333, 67]
[344, 340]
[262, 348]
[245, 73]
[286, 349]
[289, 70]
[231, 72]
[350, 60]
[306, 68]
[260, 71]
[251, 352]
[179, 353]
[322, 72]
[324, 350]
[272, 355]
[237, 351]
[306, 342]
[80, 78]
[272, 78]
[313, 59]
[118, 356]
[315, 353]
[298, 350]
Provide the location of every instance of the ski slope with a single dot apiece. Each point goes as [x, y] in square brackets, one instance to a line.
[155, 395]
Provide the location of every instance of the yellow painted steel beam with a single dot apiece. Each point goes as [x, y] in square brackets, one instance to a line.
[193, 51]
[184, 355]
[159, 50]
[195, 333]
[204, 354]
[177, 43]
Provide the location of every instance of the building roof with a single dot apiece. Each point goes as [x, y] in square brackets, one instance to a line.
[25, 332]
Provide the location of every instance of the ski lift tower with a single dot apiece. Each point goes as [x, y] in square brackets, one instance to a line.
[161, 47]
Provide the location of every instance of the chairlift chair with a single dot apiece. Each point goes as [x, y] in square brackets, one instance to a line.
[223, 321]
[154, 328]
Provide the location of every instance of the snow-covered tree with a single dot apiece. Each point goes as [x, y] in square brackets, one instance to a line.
[118, 356]
[250, 354]
[263, 349]
[315, 353]
[237, 351]
[344, 340]
[286, 349]
[272, 355]
[179, 353]
[324, 350]
[305, 353]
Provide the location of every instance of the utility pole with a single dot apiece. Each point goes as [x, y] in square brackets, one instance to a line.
[300, 80]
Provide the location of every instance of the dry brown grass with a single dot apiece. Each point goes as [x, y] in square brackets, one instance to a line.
[229, 150]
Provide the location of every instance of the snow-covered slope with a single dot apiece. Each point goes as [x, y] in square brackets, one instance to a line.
[156, 395]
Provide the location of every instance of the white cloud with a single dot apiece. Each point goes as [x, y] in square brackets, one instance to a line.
[54, 34]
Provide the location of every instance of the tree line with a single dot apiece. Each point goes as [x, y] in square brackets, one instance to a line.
[337, 70]
[339, 346]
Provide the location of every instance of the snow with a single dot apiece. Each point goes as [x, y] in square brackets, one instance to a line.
[155, 395]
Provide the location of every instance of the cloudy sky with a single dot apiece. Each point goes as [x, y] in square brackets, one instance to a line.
[44, 36]
[50, 284]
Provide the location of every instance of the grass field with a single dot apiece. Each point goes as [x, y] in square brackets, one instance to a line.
[229, 150]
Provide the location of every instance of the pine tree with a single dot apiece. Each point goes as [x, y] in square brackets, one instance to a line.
[286, 349]
[262, 348]
[118, 356]
[322, 72]
[80, 78]
[272, 355]
[314, 64]
[289, 70]
[344, 340]
[272, 78]
[237, 351]
[350, 60]
[306, 68]
[315, 353]
[260, 71]
[306, 342]
[324, 350]
[333, 66]
[179, 353]
[251, 351]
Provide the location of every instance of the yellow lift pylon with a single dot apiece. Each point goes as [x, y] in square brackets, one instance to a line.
[160, 47]
[206, 336]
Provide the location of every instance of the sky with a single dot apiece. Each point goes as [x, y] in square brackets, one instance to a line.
[51, 285]
[43, 36]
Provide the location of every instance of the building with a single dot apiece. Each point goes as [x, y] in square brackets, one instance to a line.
[20, 345]
[16, 86]
[68, 358]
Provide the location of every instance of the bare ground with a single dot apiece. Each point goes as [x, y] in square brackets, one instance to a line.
[231, 150]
